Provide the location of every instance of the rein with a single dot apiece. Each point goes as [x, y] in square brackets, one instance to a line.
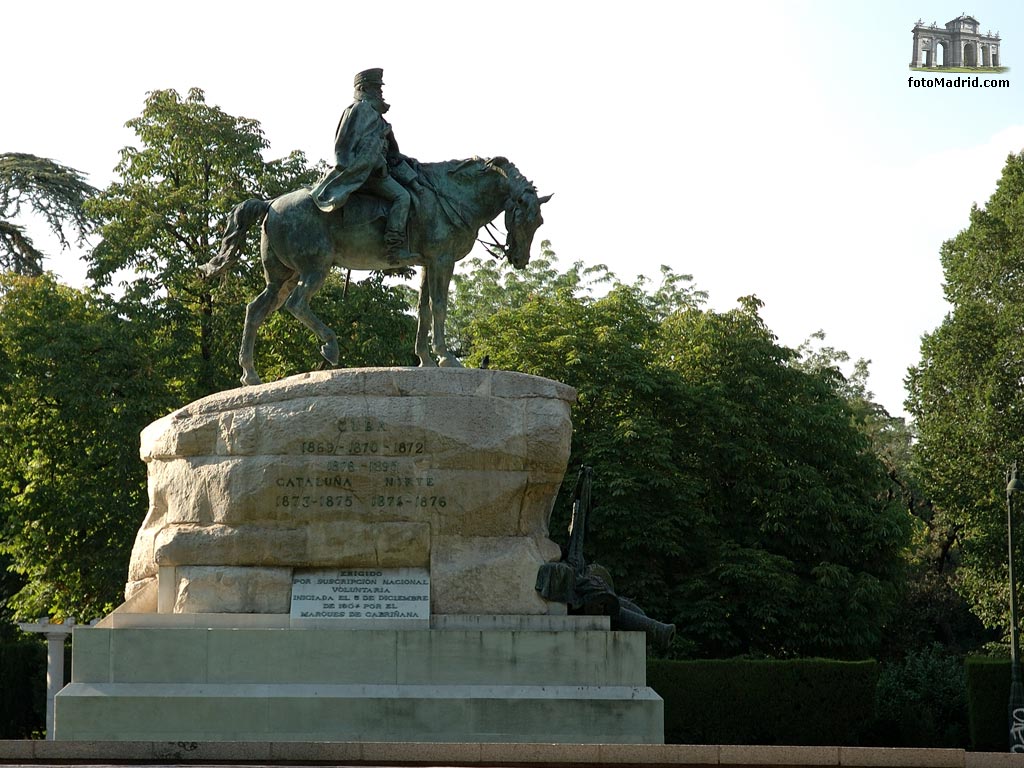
[497, 249]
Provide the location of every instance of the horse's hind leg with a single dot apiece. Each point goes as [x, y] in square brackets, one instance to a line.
[298, 304]
[280, 282]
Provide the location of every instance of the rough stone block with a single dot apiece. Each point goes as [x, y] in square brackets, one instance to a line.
[452, 468]
[232, 589]
[357, 545]
[485, 575]
[224, 545]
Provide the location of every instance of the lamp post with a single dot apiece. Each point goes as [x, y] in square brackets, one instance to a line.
[1016, 707]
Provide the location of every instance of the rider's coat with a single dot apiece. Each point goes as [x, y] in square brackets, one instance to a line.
[363, 146]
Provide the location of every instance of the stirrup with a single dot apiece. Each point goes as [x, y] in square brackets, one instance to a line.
[399, 254]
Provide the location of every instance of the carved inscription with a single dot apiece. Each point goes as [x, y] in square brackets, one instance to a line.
[364, 447]
[364, 464]
[363, 437]
[382, 594]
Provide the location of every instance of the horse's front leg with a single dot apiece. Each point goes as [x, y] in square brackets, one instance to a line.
[423, 322]
[440, 279]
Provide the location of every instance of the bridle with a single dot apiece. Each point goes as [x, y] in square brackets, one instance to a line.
[518, 186]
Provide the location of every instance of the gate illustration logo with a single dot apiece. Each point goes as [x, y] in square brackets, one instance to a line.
[957, 45]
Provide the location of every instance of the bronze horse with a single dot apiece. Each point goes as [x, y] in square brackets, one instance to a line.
[300, 244]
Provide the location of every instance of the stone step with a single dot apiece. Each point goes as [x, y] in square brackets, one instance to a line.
[316, 712]
[371, 656]
[197, 684]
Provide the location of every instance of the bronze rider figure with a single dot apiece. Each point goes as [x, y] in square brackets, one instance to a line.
[367, 157]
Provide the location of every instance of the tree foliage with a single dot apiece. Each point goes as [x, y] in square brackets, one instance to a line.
[76, 385]
[736, 494]
[160, 220]
[51, 190]
[930, 610]
[966, 396]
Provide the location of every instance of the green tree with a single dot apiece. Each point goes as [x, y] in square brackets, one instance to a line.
[804, 535]
[162, 219]
[966, 397]
[76, 386]
[49, 189]
[736, 494]
[930, 609]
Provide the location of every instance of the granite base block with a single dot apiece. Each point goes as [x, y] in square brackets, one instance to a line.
[388, 685]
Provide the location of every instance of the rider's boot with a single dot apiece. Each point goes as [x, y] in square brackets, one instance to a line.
[397, 253]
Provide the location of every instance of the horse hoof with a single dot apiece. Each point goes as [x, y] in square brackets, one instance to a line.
[427, 362]
[449, 361]
[250, 380]
[330, 352]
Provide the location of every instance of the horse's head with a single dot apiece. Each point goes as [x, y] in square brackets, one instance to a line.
[522, 213]
[522, 220]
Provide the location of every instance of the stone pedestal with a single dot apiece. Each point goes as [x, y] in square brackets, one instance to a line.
[267, 500]
[451, 469]
[571, 685]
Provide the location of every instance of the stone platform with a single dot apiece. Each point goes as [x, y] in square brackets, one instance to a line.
[450, 470]
[172, 753]
[196, 684]
[352, 555]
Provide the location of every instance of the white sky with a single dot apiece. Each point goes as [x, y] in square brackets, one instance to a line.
[770, 148]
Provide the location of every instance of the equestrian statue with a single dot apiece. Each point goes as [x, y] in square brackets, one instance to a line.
[360, 215]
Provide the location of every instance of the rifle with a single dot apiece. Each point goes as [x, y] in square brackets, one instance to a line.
[557, 581]
[578, 524]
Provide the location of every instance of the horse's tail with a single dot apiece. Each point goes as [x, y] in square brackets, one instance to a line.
[240, 220]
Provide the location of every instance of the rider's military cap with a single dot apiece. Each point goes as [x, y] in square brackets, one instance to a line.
[370, 77]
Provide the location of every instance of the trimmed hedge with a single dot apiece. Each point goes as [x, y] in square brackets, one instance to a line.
[22, 687]
[921, 701]
[741, 701]
[988, 699]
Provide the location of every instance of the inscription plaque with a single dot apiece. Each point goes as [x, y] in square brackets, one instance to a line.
[361, 597]
[361, 464]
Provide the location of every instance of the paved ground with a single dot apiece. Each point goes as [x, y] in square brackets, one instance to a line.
[196, 754]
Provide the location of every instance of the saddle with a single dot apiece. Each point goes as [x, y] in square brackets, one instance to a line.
[362, 208]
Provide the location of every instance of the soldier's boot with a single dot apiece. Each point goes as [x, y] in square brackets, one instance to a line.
[659, 635]
[394, 246]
